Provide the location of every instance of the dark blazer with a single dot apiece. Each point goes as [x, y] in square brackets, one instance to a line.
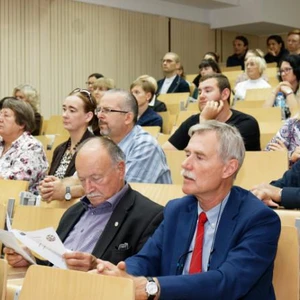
[137, 216]
[60, 151]
[179, 85]
[241, 261]
[290, 184]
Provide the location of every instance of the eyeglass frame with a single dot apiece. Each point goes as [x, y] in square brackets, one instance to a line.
[286, 70]
[107, 110]
[84, 91]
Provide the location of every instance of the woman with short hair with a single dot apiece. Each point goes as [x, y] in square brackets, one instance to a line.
[22, 157]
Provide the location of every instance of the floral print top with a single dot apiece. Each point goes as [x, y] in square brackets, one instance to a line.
[24, 160]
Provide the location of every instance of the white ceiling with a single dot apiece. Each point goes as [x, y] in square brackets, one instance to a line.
[204, 4]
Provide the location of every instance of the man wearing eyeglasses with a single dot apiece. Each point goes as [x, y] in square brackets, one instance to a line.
[111, 221]
[91, 80]
[172, 82]
[145, 159]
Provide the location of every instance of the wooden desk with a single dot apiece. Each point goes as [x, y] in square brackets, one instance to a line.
[15, 277]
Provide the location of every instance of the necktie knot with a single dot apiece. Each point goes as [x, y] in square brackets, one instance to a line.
[202, 218]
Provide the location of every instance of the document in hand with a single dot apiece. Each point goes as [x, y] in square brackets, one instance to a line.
[44, 242]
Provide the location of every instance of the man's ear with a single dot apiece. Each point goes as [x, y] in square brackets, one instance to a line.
[230, 168]
[129, 118]
[225, 94]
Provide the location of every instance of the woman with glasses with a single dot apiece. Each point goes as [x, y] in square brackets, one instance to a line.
[22, 157]
[289, 75]
[78, 115]
[28, 93]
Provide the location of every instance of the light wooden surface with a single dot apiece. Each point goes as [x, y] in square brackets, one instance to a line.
[190, 77]
[175, 102]
[59, 203]
[174, 160]
[51, 283]
[264, 114]
[267, 131]
[3, 278]
[261, 166]
[194, 106]
[29, 218]
[162, 138]
[248, 104]
[55, 126]
[159, 193]
[286, 266]
[10, 189]
[168, 121]
[288, 216]
[258, 94]
[153, 130]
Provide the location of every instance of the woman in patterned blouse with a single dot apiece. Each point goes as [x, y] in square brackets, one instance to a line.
[78, 114]
[22, 157]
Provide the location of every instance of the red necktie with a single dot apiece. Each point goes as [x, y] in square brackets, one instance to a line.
[196, 262]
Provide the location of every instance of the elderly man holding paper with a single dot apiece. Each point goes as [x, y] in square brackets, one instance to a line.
[111, 221]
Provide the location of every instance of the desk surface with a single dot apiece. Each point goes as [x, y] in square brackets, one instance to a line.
[15, 277]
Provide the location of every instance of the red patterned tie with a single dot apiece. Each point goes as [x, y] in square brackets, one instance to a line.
[196, 262]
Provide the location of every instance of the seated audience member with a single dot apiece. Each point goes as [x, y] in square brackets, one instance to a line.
[100, 86]
[251, 53]
[276, 49]
[207, 56]
[91, 79]
[219, 242]
[22, 157]
[108, 218]
[78, 114]
[293, 42]
[282, 192]
[240, 48]
[145, 160]
[289, 73]
[206, 67]
[213, 101]
[172, 82]
[28, 93]
[287, 139]
[255, 66]
[154, 104]
[143, 90]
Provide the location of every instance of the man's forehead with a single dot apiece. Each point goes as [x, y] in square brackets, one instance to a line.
[210, 82]
[111, 99]
[169, 56]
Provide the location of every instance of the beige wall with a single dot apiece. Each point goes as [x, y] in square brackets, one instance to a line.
[55, 44]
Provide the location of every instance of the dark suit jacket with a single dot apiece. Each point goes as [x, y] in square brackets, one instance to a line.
[179, 85]
[241, 262]
[138, 217]
[59, 152]
[290, 184]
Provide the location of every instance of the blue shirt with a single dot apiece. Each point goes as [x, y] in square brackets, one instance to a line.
[90, 226]
[145, 159]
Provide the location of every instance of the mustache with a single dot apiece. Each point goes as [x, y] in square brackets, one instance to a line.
[92, 195]
[188, 174]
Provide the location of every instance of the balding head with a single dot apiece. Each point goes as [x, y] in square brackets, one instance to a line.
[100, 166]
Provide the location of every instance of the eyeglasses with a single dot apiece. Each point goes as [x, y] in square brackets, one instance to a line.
[84, 91]
[89, 83]
[286, 70]
[107, 110]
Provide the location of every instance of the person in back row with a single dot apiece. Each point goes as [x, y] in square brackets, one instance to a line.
[172, 82]
[144, 90]
[240, 48]
[145, 160]
[111, 221]
[214, 103]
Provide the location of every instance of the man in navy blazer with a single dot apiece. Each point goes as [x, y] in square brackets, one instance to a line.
[171, 83]
[240, 236]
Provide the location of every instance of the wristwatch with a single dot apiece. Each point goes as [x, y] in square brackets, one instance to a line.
[151, 288]
[68, 195]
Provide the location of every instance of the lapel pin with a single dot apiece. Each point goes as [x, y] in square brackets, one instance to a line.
[116, 224]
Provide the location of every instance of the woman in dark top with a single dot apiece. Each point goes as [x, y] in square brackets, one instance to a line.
[276, 49]
[28, 93]
[78, 114]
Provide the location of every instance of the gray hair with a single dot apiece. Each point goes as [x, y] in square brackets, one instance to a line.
[30, 94]
[114, 151]
[129, 101]
[231, 144]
